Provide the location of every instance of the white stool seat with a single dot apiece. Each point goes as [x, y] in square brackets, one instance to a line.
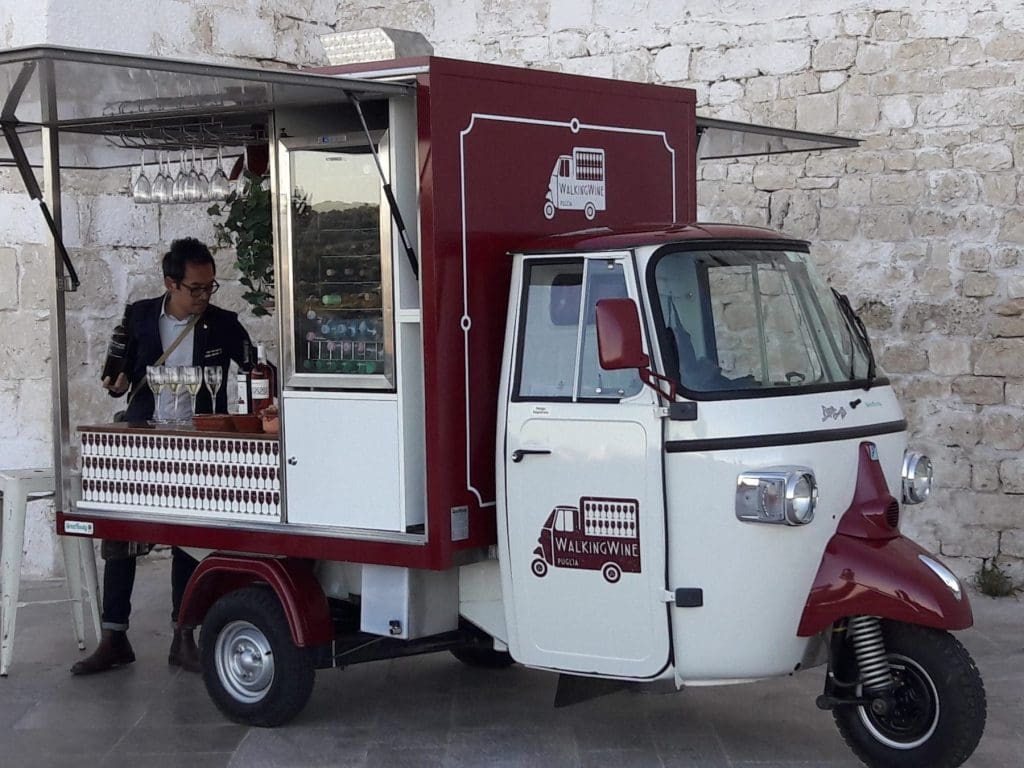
[16, 486]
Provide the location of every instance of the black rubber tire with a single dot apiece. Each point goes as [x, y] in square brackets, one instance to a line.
[293, 671]
[483, 658]
[922, 658]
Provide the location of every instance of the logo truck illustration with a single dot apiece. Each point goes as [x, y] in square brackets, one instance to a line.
[600, 535]
[577, 183]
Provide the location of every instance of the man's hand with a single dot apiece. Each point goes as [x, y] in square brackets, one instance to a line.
[119, 387]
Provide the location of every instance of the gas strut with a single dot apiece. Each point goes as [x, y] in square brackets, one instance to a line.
[392, 203]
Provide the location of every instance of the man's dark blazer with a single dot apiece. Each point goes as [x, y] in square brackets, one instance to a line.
[219, 339]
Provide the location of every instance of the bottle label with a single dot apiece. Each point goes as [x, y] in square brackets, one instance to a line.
[260, 389]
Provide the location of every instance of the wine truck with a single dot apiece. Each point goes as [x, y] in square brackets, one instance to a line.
[610, 443]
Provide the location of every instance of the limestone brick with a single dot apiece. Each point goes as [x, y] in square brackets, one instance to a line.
[9, 281]
[980, 390]
[949, 357]
[1012, 543]
[1011, 474]
[995, 512]
[1015, 394]
[988, 157]
[857, 113]
[979, 284]
[1006, 327]
[985, 475]
[567, 14]
[872, 58]
[999, 189]
[974, 257]
[836, 53]
[830, 81]
[571, 44]
[25, 345]
[1002, 428]
[1007, 44]
[858, 21]
[1001, 357]
[903, 358]
[1011, 227]
[727, 63]
[672, 64]
[791, 86]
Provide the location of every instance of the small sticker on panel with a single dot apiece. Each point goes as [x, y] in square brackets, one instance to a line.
[460, 523]
[78, 526]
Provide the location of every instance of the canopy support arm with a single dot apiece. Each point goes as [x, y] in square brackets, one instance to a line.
[8, 124]
[396, 215]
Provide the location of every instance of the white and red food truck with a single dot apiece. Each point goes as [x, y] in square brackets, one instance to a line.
[594, 438]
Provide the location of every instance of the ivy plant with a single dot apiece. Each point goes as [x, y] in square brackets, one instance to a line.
[246, 226]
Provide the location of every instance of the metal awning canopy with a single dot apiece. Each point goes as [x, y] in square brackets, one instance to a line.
[101, 102]
[719, 139]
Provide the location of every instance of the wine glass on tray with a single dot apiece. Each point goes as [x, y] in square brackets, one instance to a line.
[213, 375]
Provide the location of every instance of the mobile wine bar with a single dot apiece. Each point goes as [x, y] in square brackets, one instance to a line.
[530, 410]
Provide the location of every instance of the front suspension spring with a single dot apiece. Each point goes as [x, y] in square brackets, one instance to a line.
[869, 647]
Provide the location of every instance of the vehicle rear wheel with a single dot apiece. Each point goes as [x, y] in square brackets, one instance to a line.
[483, 658]
[539, 568]
[253, 671]
[937, 712]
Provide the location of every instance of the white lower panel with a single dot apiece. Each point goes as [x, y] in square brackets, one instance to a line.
[343, 463]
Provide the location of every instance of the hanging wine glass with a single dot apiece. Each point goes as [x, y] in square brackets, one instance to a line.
[192, 181]
[162, 183]
[181, 180]
[203, 183]
[220, 187]
[141, 190]
[242, 182]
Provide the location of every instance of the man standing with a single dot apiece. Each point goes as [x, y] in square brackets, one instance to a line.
[200, 334]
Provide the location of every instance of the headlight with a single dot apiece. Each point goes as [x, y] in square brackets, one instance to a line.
[786, 495]
[917, 477]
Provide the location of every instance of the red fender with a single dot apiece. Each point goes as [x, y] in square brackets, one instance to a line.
[884, 578]
[869, 569]
[292, 580]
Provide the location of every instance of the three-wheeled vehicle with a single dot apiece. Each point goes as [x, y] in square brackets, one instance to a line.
[518, 422]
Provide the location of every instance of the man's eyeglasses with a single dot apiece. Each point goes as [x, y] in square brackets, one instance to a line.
[198, 290]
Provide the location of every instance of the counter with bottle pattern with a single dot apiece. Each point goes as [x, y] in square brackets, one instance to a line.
[181, 472]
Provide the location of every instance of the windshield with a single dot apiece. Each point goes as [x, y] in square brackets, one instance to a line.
[757, 319]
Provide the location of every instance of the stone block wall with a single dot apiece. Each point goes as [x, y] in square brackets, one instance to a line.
[923, 224]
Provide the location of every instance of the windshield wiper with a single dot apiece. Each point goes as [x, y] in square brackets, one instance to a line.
[857, 326]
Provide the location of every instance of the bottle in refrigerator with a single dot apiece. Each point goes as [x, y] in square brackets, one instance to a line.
[117, 350]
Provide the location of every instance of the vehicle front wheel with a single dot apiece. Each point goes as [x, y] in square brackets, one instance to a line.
[937, 712]
[253, 671]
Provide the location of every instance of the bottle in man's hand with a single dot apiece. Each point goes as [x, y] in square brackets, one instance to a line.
[117, 350]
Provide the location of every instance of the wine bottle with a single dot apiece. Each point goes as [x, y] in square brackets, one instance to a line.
[243, 384]
[117, 350]
[261, 381]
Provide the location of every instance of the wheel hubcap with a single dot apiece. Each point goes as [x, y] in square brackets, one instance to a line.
[913, 713]
[245, 661]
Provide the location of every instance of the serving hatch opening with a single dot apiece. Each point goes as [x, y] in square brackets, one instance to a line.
[720, 139]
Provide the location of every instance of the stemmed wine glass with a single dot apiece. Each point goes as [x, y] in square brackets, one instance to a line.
[220, 187]
[180, 189]
[213, 375]
[242, 182]
[141, 190]
[174, 382]
[163, 185]
[192, 378]
[156, 375]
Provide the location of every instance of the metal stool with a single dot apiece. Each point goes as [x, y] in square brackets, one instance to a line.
[16, 486]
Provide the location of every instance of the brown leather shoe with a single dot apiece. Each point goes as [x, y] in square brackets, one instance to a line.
[113, 651]
[184, 652]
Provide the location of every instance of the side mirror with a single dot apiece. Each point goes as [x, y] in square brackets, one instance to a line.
[619, 343]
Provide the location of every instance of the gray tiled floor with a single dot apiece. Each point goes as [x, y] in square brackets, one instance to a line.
[432, 711]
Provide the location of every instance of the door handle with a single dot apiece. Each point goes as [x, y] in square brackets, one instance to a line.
[518, 454]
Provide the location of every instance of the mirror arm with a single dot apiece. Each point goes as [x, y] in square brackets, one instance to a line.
[659, 383]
